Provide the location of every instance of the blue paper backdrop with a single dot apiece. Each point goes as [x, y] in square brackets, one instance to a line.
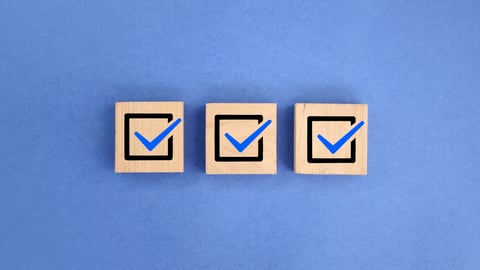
[63, 65]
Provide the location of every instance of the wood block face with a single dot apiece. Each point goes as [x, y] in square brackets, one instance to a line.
[241, 138]
[149, 137]
[331, 138]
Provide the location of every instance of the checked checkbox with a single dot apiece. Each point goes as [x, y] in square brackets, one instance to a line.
[150, 124]
[241, 138]
[149, 137]
[241, 126]
[331, 138]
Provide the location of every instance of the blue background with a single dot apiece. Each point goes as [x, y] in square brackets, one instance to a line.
[63, 65]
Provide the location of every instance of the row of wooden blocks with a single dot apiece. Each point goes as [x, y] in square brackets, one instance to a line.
[241, 138]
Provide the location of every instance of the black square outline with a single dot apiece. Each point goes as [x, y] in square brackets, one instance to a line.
[129, 116]
[310, 158]
[219, 158]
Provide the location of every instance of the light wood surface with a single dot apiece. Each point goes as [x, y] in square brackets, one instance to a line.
[241, 128]
[149, 127]
[332, 121]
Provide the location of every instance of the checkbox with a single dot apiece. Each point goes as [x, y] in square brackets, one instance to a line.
[240, 138]
[225, 151]
[316, 152]
[150, 124]
[149, 137]
[331, 138]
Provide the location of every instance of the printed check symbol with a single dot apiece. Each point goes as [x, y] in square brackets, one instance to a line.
[241, 146]
[150, 145]
[333, 148]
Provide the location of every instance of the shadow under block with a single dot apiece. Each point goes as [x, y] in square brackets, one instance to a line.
[149, 137]
[241, 138]
[331, 138]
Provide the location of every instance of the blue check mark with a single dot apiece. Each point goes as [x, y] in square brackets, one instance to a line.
[243, 145]
[333, 148]
[150, 145]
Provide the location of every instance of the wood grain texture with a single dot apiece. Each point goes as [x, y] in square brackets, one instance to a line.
[149, 128]
[241, 129]
[332, 122]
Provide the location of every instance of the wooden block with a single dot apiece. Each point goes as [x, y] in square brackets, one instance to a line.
[241, 138]
[331, 138]
[149, 137]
